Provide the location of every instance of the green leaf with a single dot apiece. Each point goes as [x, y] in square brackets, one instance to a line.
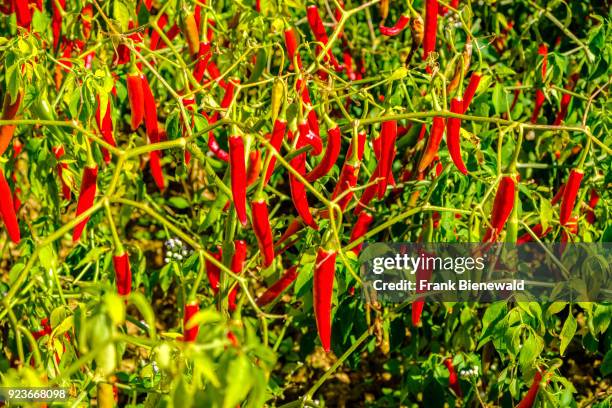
[567, 332]
[531, 349]
[238, 382]
[178, 202]
[122, 14]
[500, 99]
[606, 364]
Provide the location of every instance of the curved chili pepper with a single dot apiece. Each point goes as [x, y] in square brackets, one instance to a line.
[433, 143]
[323, 287]
[87, 193]
[190, 31]
[502, 207]
[298, 190]
[346, 183]
[155, 37]
[557, 197]
[361, 139]
[213, 272]
[136, 98]
[538, 230]
[593, 200]
[397, 28]
[540, 98]
[291, 44]
[370, 192]
[332, 151]
[431, 27]
[190, 334]
[151, 126]
[565, 101]
[278, 134]
[105, 126]
[254, 167]
[453, 379]
[240, 254]
[123, 273]
[238, 176]
[7, 210]
[215, 74]
[529, 398]
[61, 166]
[310, 138]
[263, 232]
[360, 229]
[388, 134]
[56, 21]
[453, 140]
[423, 274]
[9, 111]
[316, 25]
[204, 54]
[278, 287]
[569, 195]
[22, 11]
[293, 228]
[470, 90]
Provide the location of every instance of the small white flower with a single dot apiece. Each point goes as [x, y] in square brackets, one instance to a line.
[166, 260]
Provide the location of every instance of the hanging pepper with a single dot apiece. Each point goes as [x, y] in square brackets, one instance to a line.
[569, 195]
[470, 90]
[87, 194]
[323, 287]
[238, 176]
[346, 183]
[155, 37]
[9, 112]
[361, 140]
[397, 28]
[316, 25]
[254, 167]
[529, 398]
[240, 254]
[360, 229]
[388, 134]
[565, 101]
[105, 126]
[291, 44]
[433, 143]
[453, 139]
[7, 210]
[539, 101]
[370, 192]
[190, 31]
[204, 54]
[293, 228]
[313, 120]
[61, 166]
[56, 21]
[278, 134]
[423, 274]
[431, 27]
[502, 207]
[86, 17]
[123, 272]
[261, 227]
[22, 11]
[135, 97]
[593, 200]
[298, 190]
[538, 230]
[332, 151]
[150, 120]
[190, 333]
[278, 287]
[213, 272]
[453, 379]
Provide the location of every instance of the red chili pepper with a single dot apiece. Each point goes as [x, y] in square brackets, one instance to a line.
[150, 119]
[565, 101]
[593, 200]
[537, 230]
[293, 228]
[431, 27]
[263, 232]
[204, 54]
[370, 191]
[470, 90]
[422, 274]
[453, 139]
[155, 37]
[213, 272]
[433, 143]
[540, 98]
[238, 176]
[569, 195]
[86, 17]
[278, 134]
[316, 25]
[453, 379]
[136, 98]
[361, 139]
[346, 182]
[388, 134]
[240, 254]
[105, 126]
[502, 207]
[529, 398]
[215, 74]
[61, 166]
[278, 287]
[123, 273]
[558, 196]
[291, 44]
[87, 194]
[323, 287]
[7, 210]
[190, 31]
[22, 11]
[397, 28]
[254, 167]
[332, 151]
[360, 228]
[123, 51]
[9, 111]
[56, 21]
[190, 334]
[298, 190]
